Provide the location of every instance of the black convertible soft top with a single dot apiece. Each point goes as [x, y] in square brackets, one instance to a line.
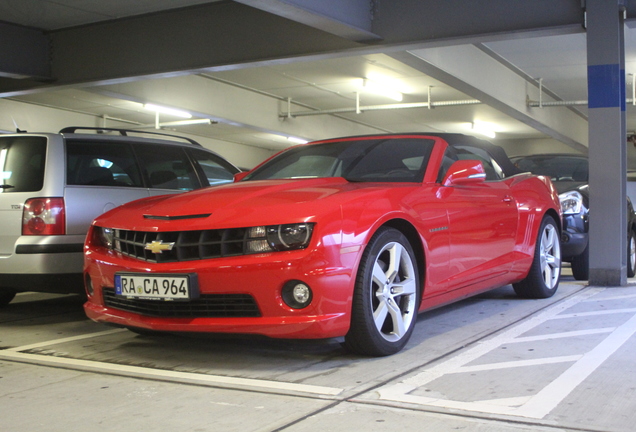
[498, 153]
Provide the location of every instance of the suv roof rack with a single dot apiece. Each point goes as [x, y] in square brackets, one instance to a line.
[124, 132]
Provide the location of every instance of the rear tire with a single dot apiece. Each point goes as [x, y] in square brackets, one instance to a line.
[386, 296]
[6, 295]
[631, 254]
[581, 265]
[543, 278]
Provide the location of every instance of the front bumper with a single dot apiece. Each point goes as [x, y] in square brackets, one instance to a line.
[573, 244]
[574, 236]
[329, 273]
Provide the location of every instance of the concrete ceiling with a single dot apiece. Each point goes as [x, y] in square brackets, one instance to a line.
[311, 62]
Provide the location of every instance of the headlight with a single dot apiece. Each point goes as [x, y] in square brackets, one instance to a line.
[290, 236]
[571, 202]
[105, 236]
[279, 237]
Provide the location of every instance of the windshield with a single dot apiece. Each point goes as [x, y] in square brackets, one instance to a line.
[558, 168]
[360, 160]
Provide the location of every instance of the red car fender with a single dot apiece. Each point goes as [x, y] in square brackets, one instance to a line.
[531, 214]
[361, 222]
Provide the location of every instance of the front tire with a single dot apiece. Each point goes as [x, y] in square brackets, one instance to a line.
[386, 296]
[543, 278]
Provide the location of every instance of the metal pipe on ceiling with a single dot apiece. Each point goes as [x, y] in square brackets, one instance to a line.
[543, 104]
[359, 109]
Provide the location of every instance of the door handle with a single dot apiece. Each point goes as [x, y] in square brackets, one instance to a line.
[508, 199]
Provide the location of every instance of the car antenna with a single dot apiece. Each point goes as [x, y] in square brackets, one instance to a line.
[15, 124]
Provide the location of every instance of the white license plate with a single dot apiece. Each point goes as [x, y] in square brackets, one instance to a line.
[155, 286]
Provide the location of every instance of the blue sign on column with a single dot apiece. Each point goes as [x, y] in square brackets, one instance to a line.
[606, 86]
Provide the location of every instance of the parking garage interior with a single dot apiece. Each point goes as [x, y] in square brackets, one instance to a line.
[257, 76]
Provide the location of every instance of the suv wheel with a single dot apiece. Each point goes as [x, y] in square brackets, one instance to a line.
[6, 295]
[581, 265]
[631, 254]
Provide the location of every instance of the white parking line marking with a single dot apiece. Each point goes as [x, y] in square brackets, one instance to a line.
[518, 363]
[543, 402]
[64, 340]
[151, 373]
[508, 336]
[562, 335]
[613, 297]
[167, 375]
[596, 313]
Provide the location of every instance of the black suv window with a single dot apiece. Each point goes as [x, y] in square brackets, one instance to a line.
[167, 167]
[101, 164]
[558, 168]
[215, 169]
[22, 164]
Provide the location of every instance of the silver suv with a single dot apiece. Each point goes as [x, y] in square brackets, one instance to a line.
[52, 186]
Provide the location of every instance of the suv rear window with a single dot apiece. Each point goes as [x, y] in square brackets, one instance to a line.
[22, 164]
[101, 164]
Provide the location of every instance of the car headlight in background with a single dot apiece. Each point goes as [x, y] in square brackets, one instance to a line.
[285, 237]
[571, 202]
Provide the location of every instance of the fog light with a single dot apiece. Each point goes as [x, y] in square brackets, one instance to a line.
[88, 283]
[297, 294]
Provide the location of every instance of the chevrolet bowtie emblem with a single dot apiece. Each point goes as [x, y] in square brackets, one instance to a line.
[159, 246]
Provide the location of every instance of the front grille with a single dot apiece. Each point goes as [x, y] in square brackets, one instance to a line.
[188, 245]
[206, 306]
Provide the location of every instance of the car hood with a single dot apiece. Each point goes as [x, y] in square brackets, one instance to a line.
[265, 202]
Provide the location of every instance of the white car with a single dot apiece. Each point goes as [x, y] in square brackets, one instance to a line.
[52, 186]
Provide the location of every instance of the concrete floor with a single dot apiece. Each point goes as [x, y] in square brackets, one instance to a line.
[490, 363]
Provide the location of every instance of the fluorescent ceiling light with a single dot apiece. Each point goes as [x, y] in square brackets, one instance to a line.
[390, 82]
[297, 140]
[186, 122]
[483, 128]
[378, 88]
[165, 110]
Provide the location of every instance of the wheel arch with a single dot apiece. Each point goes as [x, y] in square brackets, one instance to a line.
[556, 216]
[410, 232]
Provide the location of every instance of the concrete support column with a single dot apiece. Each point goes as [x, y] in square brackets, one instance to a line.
[607, 142]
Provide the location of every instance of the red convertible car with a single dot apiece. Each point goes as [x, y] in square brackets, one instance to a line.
[342, 237]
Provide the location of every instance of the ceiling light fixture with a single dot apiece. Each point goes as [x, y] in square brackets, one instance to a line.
[375, 87]
[483, 128]
[296, 140]
[165, 110]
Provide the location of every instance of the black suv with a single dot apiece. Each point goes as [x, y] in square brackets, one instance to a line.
[569, 174]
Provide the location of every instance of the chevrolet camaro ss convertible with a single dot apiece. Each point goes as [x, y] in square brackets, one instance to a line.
[342, 237]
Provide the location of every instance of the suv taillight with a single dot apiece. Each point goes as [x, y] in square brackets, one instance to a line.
[44, 216]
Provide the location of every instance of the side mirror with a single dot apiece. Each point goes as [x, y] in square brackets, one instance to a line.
[465, 172]
[240, 176]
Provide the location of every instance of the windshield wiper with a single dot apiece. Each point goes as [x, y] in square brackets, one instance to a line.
[6, 186]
